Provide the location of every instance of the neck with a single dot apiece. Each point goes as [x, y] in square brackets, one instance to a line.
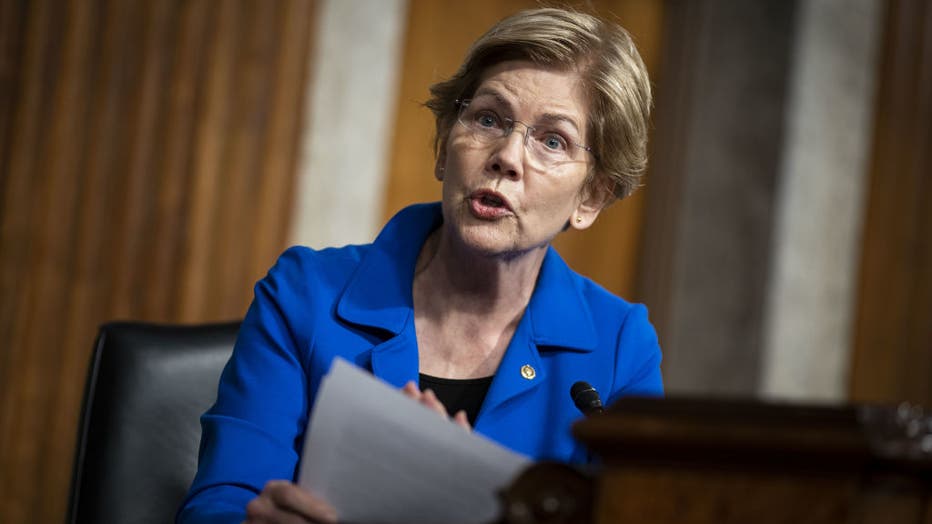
[452, 278]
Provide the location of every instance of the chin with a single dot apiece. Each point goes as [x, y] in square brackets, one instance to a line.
[496, 243]
[499, 238]
[487, 239]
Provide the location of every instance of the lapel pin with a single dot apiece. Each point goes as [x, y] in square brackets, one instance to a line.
[528, 372]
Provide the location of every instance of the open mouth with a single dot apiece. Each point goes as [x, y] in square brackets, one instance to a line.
[491, 200]
[489, 205]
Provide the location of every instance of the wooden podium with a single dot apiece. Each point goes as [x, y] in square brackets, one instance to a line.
[691, 461]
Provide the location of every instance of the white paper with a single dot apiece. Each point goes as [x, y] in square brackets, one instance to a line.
[379, 457]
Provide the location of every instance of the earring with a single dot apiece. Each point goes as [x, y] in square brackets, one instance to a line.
[578, 219]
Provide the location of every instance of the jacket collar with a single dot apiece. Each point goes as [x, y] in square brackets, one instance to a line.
[559, 315]
[379, 292]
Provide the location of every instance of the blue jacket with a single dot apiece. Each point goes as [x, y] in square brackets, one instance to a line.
[356, 302]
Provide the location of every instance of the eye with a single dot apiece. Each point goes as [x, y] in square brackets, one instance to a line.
[554, 142]
[487, 119]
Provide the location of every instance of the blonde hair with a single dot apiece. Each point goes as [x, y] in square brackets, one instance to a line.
[614, 74]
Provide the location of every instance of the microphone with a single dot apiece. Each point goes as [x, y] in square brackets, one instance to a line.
[586, 398]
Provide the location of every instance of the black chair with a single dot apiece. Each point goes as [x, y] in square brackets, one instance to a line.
[139, 432]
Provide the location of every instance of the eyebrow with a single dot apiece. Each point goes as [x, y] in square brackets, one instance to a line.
[547, 117]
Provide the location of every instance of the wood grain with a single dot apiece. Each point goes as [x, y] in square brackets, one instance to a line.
[893, 328]
[147, 151]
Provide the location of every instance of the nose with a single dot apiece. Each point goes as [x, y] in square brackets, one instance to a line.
[508, 156]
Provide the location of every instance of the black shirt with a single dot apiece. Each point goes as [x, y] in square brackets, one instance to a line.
[456, 394]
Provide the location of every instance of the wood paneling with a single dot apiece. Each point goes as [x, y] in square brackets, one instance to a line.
[893, 330]
[662, 212]
[438, 35]
[147, 153]
[722, 95]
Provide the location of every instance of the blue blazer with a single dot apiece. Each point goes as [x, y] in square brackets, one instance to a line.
[356, 302]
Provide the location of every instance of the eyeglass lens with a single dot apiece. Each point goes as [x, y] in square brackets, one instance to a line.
[547, 144]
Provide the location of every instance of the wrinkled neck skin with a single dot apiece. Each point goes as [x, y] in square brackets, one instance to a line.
[451, 279]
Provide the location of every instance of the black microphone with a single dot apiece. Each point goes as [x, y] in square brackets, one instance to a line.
[586, 398]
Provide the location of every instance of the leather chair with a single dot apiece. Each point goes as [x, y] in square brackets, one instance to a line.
[139, 432]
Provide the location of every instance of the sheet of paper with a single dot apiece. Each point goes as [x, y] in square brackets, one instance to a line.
[379, 457]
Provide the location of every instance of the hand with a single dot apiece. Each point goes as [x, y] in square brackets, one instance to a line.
[283, 502]
[429, 399]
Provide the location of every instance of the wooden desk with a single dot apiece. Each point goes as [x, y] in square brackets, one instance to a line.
[738, 462]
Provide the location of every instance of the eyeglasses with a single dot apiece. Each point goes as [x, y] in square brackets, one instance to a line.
[548, 145]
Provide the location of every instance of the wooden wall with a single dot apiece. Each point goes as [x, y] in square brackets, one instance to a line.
[438, 35]
[893, 329]
[147, 152]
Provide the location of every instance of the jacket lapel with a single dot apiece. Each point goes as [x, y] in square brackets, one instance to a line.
[557, 318]
[559, 313]
[520, 371]
[396, 360]
[378, 296]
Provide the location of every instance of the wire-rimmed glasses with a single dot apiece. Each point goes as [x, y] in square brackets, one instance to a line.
[547, 145]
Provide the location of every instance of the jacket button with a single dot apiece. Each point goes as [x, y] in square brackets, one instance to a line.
[528, 372]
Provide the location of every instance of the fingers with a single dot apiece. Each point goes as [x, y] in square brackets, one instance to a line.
[261, 510]
[430, 400]
[425, 398]
[462, 420]
[411, 390]
[284, 502]
[289, 496]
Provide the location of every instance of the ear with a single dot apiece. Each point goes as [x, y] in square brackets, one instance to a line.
[440, 166]
[592, 200]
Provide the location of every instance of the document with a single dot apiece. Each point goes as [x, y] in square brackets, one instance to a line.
[379, 457]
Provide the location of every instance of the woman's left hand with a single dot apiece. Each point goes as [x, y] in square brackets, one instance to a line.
[284, 502]
[429, 399]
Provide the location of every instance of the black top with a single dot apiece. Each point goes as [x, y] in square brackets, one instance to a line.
[456, 394]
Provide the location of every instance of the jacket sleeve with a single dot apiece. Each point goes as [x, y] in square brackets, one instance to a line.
[638, 358]
[254, 431]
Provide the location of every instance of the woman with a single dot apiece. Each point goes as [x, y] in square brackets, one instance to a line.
[543, 126]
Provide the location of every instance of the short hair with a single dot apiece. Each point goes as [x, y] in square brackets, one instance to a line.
[613, 73]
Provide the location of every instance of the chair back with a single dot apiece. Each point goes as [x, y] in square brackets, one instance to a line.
[139, 433]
